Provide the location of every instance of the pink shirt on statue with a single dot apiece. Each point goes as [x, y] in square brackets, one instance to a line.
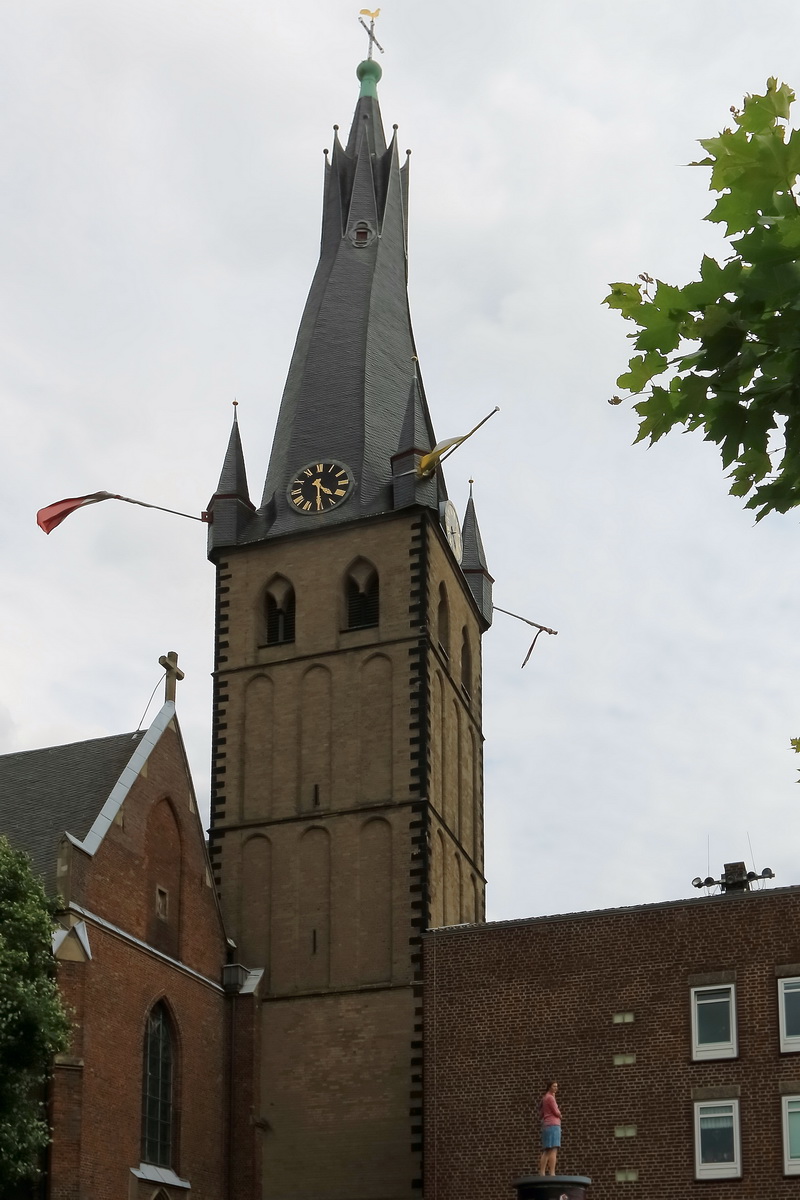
[549, 1111]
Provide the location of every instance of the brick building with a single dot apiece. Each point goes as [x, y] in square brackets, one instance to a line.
[674, 1032]
[140, 1102]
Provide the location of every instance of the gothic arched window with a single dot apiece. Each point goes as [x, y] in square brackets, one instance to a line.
[362, 595]
[157, 1088]
[466, 663]
[279, 611]
[443, 620]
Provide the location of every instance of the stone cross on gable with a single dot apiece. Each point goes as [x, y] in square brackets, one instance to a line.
[173, 674]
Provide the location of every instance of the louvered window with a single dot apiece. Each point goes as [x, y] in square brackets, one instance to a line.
[363, 598]
[279, 611]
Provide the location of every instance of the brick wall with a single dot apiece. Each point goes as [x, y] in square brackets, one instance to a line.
[96, 1094]
[509, 1005]
[329, 844]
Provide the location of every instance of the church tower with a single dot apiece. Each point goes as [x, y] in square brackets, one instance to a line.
[347, 797]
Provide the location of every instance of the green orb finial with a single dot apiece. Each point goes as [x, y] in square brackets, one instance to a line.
[369, 72]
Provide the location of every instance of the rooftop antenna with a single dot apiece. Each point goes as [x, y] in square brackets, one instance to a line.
[735, 878]
[373, 41]
[752, 856]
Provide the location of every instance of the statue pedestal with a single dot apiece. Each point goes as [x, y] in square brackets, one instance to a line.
[551, 1187]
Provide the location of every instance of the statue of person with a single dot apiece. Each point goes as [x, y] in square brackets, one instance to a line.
[550, 1118]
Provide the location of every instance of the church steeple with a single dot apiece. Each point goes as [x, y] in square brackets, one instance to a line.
[347, 778]
[354, 361]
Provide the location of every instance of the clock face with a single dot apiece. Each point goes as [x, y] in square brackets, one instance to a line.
[452, 528]
[320, 486]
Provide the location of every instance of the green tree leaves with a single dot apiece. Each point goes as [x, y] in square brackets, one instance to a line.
[33, 1025]
[722, 353]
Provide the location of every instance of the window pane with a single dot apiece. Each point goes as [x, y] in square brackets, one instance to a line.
[716, 1135]
[791, 1008]
[714, 1017]
[157, 1091]
[794, 1130]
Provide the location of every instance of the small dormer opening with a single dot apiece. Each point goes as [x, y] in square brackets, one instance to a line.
[362, 234]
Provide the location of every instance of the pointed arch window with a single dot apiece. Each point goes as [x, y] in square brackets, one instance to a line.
[158, 1089]
[280, 608]
[362, 594]
[466, 663]
[443, 620]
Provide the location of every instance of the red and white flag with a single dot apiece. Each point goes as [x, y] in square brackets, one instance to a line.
[48, 518]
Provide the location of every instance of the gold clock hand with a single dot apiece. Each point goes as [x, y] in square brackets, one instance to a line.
[318, 484]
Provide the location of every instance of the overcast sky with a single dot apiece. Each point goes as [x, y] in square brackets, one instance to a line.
[160, 187]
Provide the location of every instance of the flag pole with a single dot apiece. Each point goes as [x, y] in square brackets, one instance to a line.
[453, 449]
[540, 629]
[189, 516]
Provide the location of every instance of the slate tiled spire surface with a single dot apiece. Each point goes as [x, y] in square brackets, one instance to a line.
[354, 362]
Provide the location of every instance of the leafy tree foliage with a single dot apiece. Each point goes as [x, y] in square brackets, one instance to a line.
[33, 1024]
[725, 349]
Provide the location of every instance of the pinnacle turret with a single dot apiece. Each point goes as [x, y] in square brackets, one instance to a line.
[416, 439]
[473, 561]
[230, 507]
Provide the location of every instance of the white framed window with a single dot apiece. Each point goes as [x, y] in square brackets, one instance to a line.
[791, 1134]
[714, 1022]
[717, 1151]
[789, 1014]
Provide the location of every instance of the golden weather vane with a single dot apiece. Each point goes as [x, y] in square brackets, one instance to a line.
[373, 16]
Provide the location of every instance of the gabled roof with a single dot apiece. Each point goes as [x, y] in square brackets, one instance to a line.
[75, 789]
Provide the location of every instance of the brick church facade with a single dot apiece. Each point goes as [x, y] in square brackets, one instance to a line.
[313, 1008]
[144, 1102]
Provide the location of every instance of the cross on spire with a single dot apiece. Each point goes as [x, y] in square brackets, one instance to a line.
[373, 41]
[173, 674]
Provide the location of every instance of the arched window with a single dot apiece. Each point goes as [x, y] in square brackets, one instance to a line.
[157, 1088]
[362, 595]
[443, 620]
[279, 611]
[466, 663]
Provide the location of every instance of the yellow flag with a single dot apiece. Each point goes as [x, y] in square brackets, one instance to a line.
[429, 461]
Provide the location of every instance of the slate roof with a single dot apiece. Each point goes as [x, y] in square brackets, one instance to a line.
[473, 557]
[233, 477]
[354, 362]
[45, 793]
